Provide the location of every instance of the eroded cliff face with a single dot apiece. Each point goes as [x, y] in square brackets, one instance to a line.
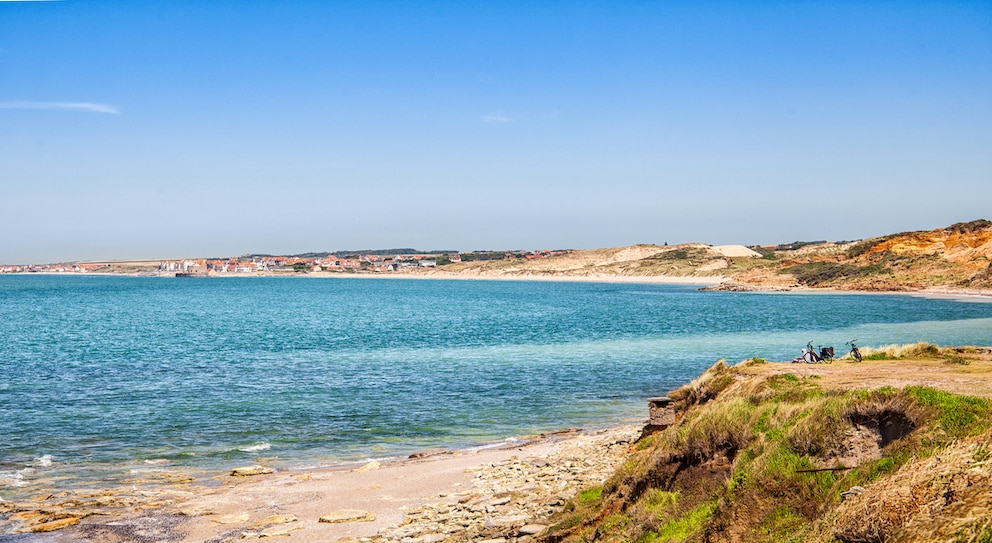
[958, 257]
[966, 244]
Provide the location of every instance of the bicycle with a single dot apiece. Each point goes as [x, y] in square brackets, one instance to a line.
[811, 356]
[855, 352]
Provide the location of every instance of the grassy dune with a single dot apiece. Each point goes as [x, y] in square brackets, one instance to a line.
[794, 452]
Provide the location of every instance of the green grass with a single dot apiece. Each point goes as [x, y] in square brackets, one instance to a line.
[782, 524]
[617, 527]
[681, 528]
[659, 502]
[590, 495]
[886, 465]
[959, 416]
[792, 389]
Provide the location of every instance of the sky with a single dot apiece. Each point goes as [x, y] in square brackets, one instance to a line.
[165, 129]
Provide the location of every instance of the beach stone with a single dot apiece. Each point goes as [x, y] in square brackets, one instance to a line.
[532, 529]
[237, 518]
[274, 519]
[371, 466]
[23, 516]
[281, 532]
[430, 452]
[54, 525]
[195, 512]
[505, 521]
[347, 515]
[247, 471]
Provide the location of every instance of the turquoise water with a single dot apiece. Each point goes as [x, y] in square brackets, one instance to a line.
[101, 374]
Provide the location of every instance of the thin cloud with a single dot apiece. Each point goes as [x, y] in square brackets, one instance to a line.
[65, 106]
[497, 118]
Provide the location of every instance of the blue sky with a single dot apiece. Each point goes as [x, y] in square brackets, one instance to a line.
[162, 129]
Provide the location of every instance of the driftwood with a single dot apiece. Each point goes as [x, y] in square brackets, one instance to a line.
[814, 470]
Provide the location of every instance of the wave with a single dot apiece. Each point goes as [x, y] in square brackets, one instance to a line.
[44, 461]
[258, 447]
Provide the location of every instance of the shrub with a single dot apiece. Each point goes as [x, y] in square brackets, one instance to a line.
[819, 273]
[861, 248]
[893, 352]
[960, 360]
[969, 227]
[725, 426]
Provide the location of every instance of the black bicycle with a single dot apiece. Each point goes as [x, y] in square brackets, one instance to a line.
[855, 352]
[810, 355]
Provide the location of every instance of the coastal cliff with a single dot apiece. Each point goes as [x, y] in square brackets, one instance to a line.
[957, 258]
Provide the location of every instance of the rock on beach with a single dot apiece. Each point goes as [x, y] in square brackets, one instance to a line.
[248, 471]
[347, 515]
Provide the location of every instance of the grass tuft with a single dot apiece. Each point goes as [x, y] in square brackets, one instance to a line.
[685, 526]
[959, 416]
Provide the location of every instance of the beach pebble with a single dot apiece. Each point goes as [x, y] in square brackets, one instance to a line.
[237, 518]
[246, 471]
[195, 512]
[274, 519]
[430, 452]
[532, 529]
[371, 466]
[348, 515]
[279, 532]
[505, 521]
[54, 525]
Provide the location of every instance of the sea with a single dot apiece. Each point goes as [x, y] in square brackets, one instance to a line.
[102, 377]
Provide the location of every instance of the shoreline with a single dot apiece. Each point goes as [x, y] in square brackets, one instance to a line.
[492, 488]
[963, 295]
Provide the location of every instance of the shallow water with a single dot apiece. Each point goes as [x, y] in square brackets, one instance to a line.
[104, 377]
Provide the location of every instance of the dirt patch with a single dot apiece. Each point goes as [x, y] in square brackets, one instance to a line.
[973, 378]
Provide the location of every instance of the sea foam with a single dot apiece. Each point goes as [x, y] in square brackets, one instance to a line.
[256, 448]
[44, 460]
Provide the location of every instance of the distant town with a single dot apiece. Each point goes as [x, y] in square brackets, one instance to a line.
[388, 261]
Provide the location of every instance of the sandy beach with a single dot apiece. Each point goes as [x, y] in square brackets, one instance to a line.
[499, 493]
